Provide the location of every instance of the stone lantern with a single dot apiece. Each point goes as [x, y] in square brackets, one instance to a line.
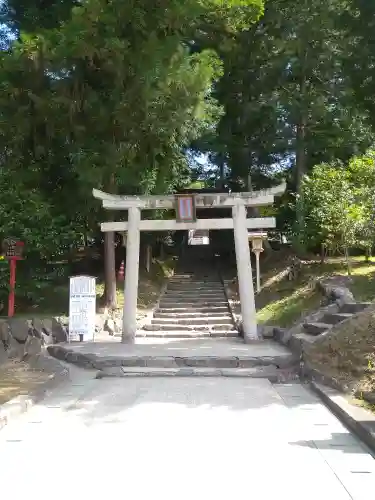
[257, 239]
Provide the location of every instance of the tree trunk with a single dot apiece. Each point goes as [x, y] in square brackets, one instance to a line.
[368, 254]
[222, 169]
[301, 143]
[300, 154]
[110, 296]
[220, 183]
[347, 259]
[255, 212]
[322, 253]
[300, 172]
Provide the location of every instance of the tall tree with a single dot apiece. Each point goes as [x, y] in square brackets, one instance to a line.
[287, 98]
[358, 22]
[109, 96]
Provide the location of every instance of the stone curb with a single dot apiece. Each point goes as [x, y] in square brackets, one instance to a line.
[310, 374]
[357, 419]
[21, 404]
[90, 360]
[273, 374]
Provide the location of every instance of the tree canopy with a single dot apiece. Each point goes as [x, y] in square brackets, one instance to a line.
[125, 96]
[103, 94]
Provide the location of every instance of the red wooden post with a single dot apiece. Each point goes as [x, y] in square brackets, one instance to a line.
[12, 286]
[12, 249]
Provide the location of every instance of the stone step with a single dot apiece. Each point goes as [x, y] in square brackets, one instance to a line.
[186, 334]
[169, 302]
[334, 318]
[194, 287]
[193, 315]
[193, 298]
[273, 374]
[205, 321]
[298, 341]
[355, 307]
[197, 361]
[178, 285]
[191, 284]
[192, 309]
[194, 277]
[282, 360]
[205, 284]
[316, 328]
[170, 325]
[194, 293]
[193, 306]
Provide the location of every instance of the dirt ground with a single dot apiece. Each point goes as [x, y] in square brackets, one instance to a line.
[16, 378]
[348, 356]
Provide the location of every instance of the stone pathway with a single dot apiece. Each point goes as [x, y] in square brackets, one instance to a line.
[183, 438]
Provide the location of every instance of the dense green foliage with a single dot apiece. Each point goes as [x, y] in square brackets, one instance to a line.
[102, 94]
[124, 96]
[339, 204]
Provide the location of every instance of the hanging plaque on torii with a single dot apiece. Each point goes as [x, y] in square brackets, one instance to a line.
[185, 208]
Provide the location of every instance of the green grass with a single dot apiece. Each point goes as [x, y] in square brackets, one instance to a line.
[291, 305]
[282, 302]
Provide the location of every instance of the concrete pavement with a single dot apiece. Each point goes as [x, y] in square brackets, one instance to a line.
[182, 438]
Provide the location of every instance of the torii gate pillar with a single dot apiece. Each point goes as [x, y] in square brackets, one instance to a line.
[129, 319]
[244, 273]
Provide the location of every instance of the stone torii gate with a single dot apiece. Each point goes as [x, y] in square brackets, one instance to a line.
[239, 223]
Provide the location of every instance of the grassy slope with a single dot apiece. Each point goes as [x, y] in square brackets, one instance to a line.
[349, 356]
[282, 302]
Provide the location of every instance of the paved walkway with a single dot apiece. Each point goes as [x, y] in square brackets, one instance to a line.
[180, 347]
[182, 438]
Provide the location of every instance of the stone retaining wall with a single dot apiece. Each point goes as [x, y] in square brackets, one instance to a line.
[22, 337]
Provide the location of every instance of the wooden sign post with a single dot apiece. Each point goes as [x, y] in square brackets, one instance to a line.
[12, 250]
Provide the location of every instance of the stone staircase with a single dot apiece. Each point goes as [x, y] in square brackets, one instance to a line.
[191, 334]
[193, 306]
[327, 321]
[314, 328]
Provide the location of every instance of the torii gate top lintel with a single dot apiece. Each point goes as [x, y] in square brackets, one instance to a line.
[202, 200]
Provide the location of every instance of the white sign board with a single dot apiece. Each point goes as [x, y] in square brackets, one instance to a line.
[82, 308]
[199, 237]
